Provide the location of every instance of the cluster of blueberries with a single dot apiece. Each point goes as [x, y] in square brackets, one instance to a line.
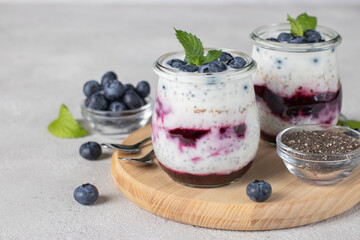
[310, 36]
[218, 65]
[112, 95]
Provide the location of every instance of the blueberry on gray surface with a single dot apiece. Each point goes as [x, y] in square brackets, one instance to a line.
[272, 39]
[284, 37]
[109, 76]
[237, 62]
[188, 68]
[132, 100]
[91, 87]
[90, 150]
[117, 106]
[312, 36]
[114, 90]
[143, 89]
[128, 87]
[259, 190]
[298, 39]
[98, 101]
[176, 63]
[212, 67]
[86, 194]
[225, 57]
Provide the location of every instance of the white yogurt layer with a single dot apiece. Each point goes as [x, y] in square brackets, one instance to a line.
[285, 72]
[227, 102]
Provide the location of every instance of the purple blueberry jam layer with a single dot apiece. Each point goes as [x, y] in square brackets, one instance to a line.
[206, 180]
[300, 104]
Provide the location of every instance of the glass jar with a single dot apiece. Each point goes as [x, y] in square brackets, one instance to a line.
[205, 127]
[295, 84]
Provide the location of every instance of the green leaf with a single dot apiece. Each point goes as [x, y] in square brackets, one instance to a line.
[65, 126]
[211, 56]
[296, 28]
[194, 49]
[307, 22]
[353, 124]
[192, 45]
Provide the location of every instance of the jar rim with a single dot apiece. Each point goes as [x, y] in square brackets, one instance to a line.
[334, 39]
[160, 67]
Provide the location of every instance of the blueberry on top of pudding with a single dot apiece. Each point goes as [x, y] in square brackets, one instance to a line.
[302, 31]
[195, 61]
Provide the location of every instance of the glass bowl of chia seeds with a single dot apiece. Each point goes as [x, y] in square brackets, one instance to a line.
[118, 124]
[319, 154]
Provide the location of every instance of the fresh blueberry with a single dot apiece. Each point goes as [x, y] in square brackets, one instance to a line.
[272, 39]
[128, 87]
[86, 194]
[357, 129]
[143, 89]
[312, 36]
[117, 106]
[91, 87]
[114, 90]
[109, 76]
[225, 57]
[98, 101]
[90, 150]
[212, 67]
[284, 37]
[176, 63]
[185, 60]
[132, 100]
[298, 39]
[87, 101]
[258, 191]
[188, 68]
[237, 62]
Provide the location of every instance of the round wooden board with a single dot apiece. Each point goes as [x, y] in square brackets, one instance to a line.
[292, 203]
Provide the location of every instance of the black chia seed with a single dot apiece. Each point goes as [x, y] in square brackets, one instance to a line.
[321, 142]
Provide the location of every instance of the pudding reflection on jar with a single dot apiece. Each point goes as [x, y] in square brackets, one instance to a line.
[205, 126]
[295, 84]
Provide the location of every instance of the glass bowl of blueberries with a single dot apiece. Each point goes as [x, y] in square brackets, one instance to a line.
[319, 154]
[114, 108]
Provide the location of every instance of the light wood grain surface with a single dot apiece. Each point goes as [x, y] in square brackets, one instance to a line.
[292, 203]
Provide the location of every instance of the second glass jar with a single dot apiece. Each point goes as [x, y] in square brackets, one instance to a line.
[295, 84]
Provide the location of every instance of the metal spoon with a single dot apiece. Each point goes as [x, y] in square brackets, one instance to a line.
[135, 148]
[146, 160]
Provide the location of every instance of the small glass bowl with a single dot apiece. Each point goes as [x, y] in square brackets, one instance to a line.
[330, 169]
[118, 123]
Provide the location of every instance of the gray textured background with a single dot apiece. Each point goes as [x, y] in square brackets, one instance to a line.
[48, 52]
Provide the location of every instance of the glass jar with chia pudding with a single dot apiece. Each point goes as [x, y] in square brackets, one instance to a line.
[205, 126]
[295, 83]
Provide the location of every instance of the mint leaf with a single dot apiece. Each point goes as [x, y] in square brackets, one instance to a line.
[353, 124]
[296, 28]
[194, 59]
[307, 22]
[65, 126]
[192, 44]
[211, 56]
[194, 49]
